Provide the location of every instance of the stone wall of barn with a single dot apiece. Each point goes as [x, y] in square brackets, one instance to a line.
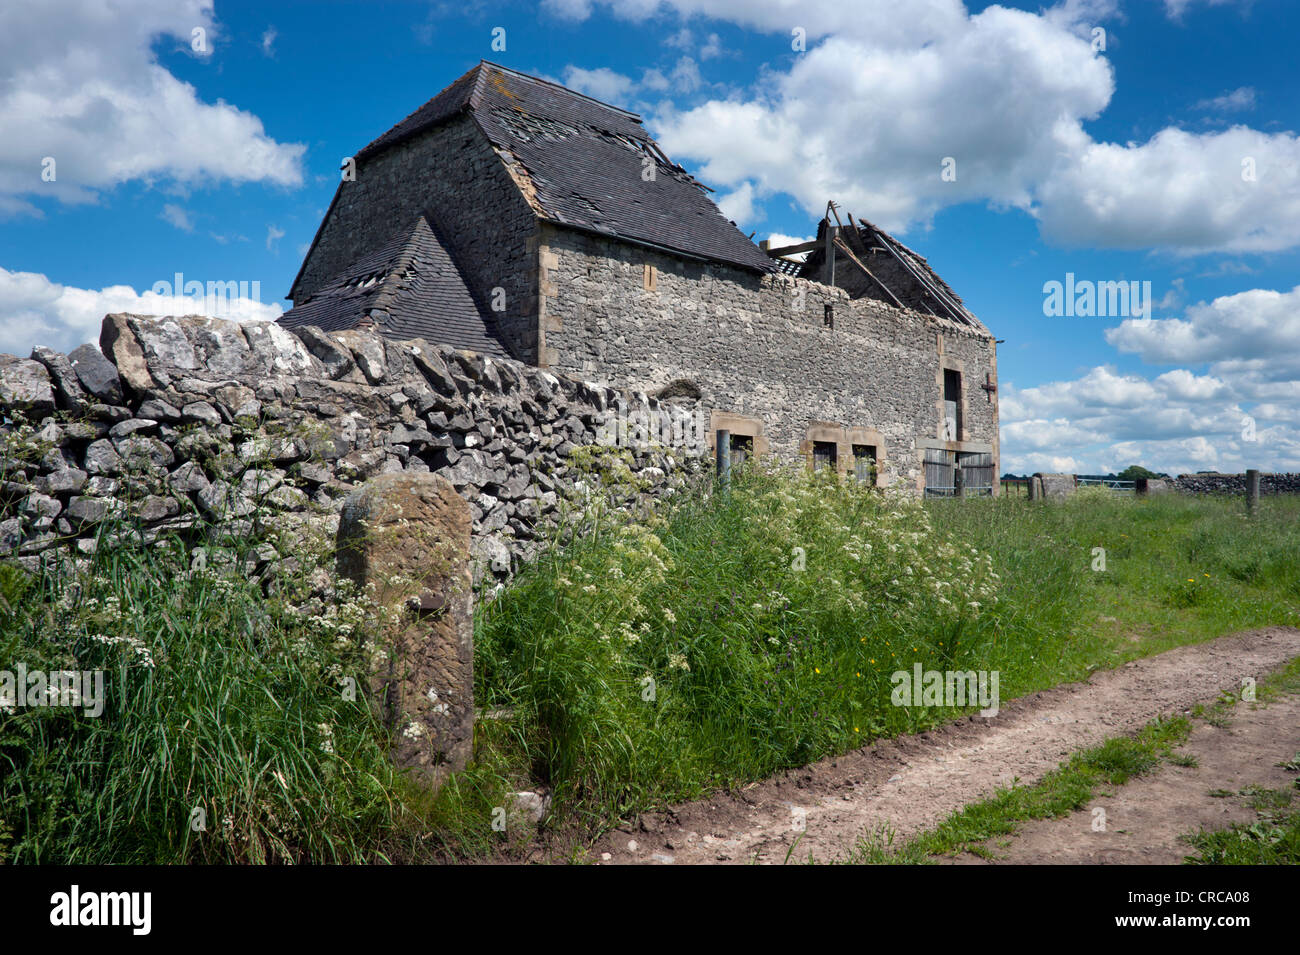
[452, 174]
[792, 360]
[176, 423]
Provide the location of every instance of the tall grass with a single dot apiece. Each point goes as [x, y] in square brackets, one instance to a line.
[225, 735]
[759, 660]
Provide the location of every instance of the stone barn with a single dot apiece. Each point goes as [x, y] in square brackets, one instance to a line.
[514, 217]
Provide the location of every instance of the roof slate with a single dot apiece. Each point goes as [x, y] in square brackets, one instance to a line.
[411, 287]
[587, 165]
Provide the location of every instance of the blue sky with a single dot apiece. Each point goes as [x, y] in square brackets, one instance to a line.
[1127, 163]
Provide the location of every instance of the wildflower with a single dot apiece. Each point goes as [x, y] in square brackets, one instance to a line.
[669, 616]
[677, 661]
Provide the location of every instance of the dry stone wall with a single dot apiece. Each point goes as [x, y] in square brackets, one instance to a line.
[173, 421]
[1236, 483]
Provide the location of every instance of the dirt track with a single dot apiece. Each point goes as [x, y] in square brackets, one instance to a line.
[914, 782]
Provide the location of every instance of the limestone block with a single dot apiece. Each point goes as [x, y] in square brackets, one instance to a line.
[408, 535]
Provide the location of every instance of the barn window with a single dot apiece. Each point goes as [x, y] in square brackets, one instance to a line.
[824, 455]
[952, 405]
[742, 449]
[828, 315]
[648, 277]
[864, 463]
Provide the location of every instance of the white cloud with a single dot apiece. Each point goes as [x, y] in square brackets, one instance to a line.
[712, 47]
[273, 235]
[870, 112]
[79, 82]
[177, 216]
[1181, 419]
[1251, 325]
[738, 205]
[1242, 98]
[683, 39]
[604, 84]
[36, 311]
[268, 41]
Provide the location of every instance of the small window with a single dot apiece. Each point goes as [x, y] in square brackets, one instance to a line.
[951, 405]
[649, 277]
[742, 449]
[828, 315]
[864, 463]
[825, 454]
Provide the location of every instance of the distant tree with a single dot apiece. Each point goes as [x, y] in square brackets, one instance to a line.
[1135, 471]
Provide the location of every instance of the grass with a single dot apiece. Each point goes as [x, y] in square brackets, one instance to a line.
[224, 735]
[649, 662]
[1272, 839]
[1064, 790]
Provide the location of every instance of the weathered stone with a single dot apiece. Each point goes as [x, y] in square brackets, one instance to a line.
[25, 386]
[409, 536]
[97, 375]
[155, 508]
[67, 480]
[140, 453]
[68, 392]
[119, 345]
[277, 351]
[102, 458]
[201, 412]
[336, 359]
[256, 483]
[187, 478]
[88, 511]
[159, 411]
[130, 426]
[220, 500]
[11, 534]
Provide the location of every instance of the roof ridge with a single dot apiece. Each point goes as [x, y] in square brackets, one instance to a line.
[560, 86]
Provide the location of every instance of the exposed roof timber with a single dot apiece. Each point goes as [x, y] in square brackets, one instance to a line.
[843, 247]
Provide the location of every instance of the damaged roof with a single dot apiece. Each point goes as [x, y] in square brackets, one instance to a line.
[913, 284]
[584, 164]
[409, 288]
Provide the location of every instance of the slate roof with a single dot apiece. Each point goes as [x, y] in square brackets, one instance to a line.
[584, 161]
[410, 287]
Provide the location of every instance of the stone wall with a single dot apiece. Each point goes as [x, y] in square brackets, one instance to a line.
[452, 174]
[1236, 483]
[182, 419]
[763, 348]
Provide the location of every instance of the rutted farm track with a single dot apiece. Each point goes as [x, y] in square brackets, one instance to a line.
[912, 783]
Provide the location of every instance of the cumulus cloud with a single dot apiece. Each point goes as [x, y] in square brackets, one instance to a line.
[37, 311]
[1242, 410]
[80, 84]
[603, 83]
[880, 105]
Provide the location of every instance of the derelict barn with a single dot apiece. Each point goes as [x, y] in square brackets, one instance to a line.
[511, 216]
